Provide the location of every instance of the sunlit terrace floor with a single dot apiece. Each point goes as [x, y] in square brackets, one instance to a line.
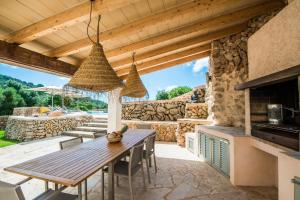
[180, 176]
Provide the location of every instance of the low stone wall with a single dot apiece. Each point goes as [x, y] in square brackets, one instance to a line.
[3, 121]
[166, 110]
[188, 125]
[196, 111]
[200, 91]
[31, 128]
[26, 111]
[165, 131]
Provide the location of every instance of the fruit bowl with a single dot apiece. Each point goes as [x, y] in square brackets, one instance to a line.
[114, 137]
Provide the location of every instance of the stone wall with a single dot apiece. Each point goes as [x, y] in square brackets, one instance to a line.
[199, 90]
[187, 125]
[196, 111]
[3, 121]
[30, 128]
[26, 111]
[164, 110]
[229, 67]
[165, 131]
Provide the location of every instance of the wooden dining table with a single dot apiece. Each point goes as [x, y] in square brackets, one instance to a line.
[71, 166]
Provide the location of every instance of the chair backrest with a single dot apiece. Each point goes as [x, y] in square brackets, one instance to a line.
[143, 126]
[70, 143]
[150, 144]
[136, 156]
[10, 192]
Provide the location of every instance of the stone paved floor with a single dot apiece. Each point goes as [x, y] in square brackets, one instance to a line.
[180, 176]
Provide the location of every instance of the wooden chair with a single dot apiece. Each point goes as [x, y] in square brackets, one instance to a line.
[148, 152]
[143, 126]
[71, 143]
[14, 192]
[128, 169]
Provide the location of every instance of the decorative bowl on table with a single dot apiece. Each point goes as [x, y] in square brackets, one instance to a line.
[116, 136]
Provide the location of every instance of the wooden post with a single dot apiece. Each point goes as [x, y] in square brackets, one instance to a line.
[114, 110]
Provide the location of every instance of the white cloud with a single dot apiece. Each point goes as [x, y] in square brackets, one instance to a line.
[170, 87]
[13, 67]
[64, 78]
[200, 64]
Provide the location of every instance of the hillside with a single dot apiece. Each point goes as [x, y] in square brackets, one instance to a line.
[4, 79]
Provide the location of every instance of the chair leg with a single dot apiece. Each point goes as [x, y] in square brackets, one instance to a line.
[102, 191]
[130, 187]
[150, 161]
[46, 186]
[148, 171]
[154, 158]
[143, 174]
[118, 181]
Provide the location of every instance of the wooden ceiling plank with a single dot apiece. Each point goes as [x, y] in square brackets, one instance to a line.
[132, 27]
[64, 19]
[202, 26]
[19, 56]
[167, 58]
[171, 64]
[199, 40]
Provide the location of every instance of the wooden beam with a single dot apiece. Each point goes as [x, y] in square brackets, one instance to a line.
[199, 40]
[171, 64]
[19, 56]
[200, 26]
[167, 58]
[64, 19]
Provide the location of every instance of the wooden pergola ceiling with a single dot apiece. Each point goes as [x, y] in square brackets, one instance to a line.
[163, 33]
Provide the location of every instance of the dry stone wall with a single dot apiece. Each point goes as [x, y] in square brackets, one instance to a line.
[165, 131]
[3, 121]
[229, 67]
[167, 110]
[30, 128]
[26, 111]
[196, 111]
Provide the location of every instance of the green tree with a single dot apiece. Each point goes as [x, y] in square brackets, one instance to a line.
[9, 100]
[179, 91]
[162, 95]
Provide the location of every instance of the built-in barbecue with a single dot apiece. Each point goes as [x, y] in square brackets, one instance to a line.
[274, 107]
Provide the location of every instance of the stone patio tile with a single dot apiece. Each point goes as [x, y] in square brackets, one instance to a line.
[181, 176]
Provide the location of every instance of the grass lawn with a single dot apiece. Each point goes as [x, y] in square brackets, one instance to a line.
[6, 142]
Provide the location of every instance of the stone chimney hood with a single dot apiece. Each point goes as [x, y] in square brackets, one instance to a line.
[274, 50]
[276, 77]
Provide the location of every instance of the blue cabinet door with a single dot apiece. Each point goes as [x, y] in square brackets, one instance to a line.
[296, 181]
[224, 157]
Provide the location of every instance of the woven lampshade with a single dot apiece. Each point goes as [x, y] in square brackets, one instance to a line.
[134, 86]
[95, 73]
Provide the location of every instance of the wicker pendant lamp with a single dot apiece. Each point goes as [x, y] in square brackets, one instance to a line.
[134, 86]
[95, 73]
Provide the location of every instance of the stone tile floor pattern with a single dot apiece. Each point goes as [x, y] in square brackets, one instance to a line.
[180, 176]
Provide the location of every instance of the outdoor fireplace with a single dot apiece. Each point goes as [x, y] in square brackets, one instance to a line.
[274, 112]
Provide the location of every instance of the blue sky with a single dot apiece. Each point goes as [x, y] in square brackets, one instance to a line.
[189, 74]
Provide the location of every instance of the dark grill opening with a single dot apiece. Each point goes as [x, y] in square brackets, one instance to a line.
[285, 97]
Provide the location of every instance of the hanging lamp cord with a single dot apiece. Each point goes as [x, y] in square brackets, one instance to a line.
[133, 58]
[89, 23]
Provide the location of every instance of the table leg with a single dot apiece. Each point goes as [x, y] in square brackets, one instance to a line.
[79, 192]
[111, 193]
[85, 189]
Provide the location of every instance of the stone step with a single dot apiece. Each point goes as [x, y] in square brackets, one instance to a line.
[96, 124]
[84, 134]
[91, 129]
[99, 121]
